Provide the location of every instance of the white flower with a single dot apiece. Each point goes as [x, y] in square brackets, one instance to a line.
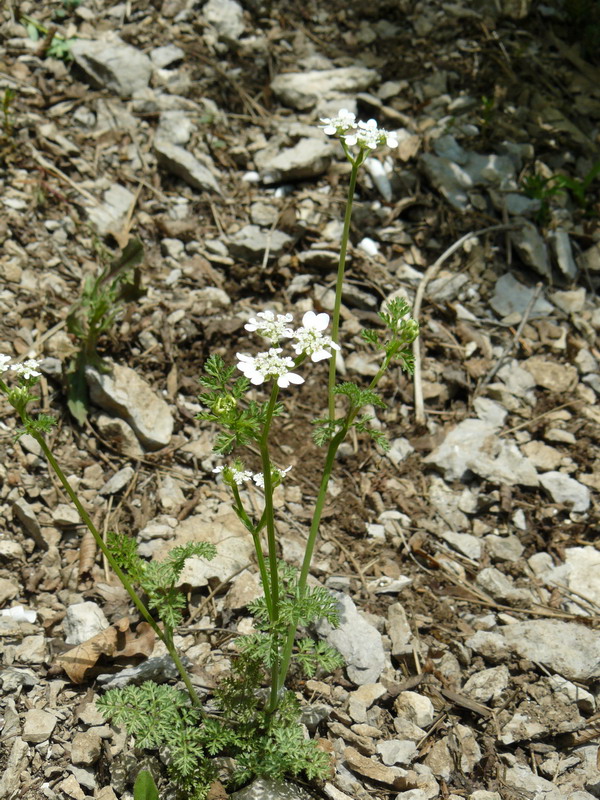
[268, 365]
[269, 327]
[259, 479]
[369, 136]
[310, 339]
[340, 124]
[3, 362]
[238, 476]
[284, 472]
[28, 369]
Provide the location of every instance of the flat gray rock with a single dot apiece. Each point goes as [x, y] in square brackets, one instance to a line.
[268, 789]
[308, 158]
[115, 65]
[302, 90]
[226, 16]
[567, 648]
[565, 490]
[357, 640]
[532, 249]
[251, 242]
[511, 297]
[178, 161]
[111, 214]
[474, 447]
[124, 393]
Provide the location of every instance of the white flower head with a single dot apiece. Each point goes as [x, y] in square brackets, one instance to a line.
[4, 363]
[269, 365]
[28, 369]
[259, 479]
[234, 474]
[310, 340]
[368, 135]
[270, 327]
[336, 126]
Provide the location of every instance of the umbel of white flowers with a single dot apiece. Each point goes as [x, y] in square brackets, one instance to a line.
[309, 341]
[28, 369]
[364, 134]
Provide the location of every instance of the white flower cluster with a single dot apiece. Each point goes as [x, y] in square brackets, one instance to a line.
[240, 476]
[28, 369]
[310, 341]
[364, 134]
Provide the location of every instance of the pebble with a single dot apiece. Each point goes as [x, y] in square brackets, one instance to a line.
[269, 789]
[251, 242]
[566, 491]
[358, 641]
[397, 751]
[465, 543]
[307, 159]
[119, 435]
[118, 66]
[226, 16]
[551, 375]
[38, 725]
[119, 481]
[303, 90]
[82, 621]
[65, 515]
[180, 162]
[86, 748]
[501, 588]
[510, 296]
[503, 548]
[124, 393]
[415, 707]
[488, 684]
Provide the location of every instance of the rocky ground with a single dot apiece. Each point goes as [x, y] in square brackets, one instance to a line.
[465, 559]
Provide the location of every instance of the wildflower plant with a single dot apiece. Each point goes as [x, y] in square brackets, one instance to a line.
[252, 717]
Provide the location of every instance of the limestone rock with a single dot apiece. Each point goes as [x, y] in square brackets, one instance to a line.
[302, 90]
[565, 490]
[38, 725]
[124, 393]
[114, 64]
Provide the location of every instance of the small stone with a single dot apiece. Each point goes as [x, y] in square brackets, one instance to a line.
[303, 90]
[415, 707]
[357, 640]
[119, 435]
[112, 213]
[542, 456]
[244, 589]
[123, 392]
[251, 242]
[372, 769]
[118, 481]
[27, 517]
[500, 587]
[503, 548]
[530, 246]
[465, 543]
[307, 159]
[86, 748]
[397, 751]
[269, 789]
[552, 375]
[566, 491]
[65, 515]
[180, 162]
[9, 589]
[38, 725]
[82, 621]
[510, 296]
[489, 644]
[399, 630]
[489, 684]
[521, 727]
[571, 302]
[226, 16]
[71, 787]
[164, 56]
[114, 64]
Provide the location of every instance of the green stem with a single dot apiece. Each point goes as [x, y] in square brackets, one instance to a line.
[165, 638]
[335, 324]
[255, 532]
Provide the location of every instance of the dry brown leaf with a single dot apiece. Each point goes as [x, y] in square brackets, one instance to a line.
[87, 554]
[118, 641]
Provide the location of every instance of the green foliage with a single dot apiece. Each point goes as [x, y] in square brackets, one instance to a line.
[144, 787]
[158, 579]
[242, 424]
[57, 46]
[543, 189]
[102, 299]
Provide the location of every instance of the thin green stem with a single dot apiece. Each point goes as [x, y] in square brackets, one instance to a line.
[255, 532]
[335, 324]
[163, 636]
